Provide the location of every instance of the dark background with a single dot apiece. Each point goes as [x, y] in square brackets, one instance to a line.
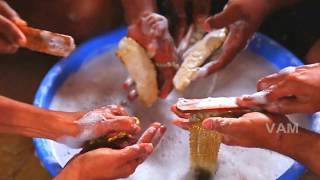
[296, 28]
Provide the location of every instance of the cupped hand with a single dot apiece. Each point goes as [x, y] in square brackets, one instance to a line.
[151, 31]
[121, 163]
[11, 37]
[242, 18]
[105, 163]
[292, 90]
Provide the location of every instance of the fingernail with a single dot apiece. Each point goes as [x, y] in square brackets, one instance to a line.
[19, 21]
[245, 98]
[22, 41]
[152, 130]
[149, 148]
[157, 124]
[163, 129]
[208, 124]
[137, 129]
[136, 146]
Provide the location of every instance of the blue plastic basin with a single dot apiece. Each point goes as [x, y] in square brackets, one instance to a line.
[260, 45]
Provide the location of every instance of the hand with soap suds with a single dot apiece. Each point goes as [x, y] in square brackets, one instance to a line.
[104, 121]
[242, 18]
[11, 37]
[292, 90]
[120, 163]
[151, 31]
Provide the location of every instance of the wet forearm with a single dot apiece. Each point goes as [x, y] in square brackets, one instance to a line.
[304, 147]
[135, 8]
[23, 119]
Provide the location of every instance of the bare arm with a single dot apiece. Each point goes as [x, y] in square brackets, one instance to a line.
[23, 119]
[70, 128]
[151, 31]
[243, 18]
[304, 147]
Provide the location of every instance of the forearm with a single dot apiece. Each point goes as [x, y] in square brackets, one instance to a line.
[23, 119]
[303, 146]
[134, 9]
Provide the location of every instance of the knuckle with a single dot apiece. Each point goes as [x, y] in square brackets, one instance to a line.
[261, 84]
[293, 75]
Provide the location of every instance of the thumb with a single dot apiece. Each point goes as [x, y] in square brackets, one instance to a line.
[136, 151]
[229, 15]
[222, 125]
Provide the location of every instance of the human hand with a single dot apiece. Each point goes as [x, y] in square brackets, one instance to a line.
[242, 18]
[292, 90]
[105, 121]
[91, 165]
[178, 9]
[250, 130]
[269, 131]
[11, 37]
[151, 31]
[152, 135]
[105, 163]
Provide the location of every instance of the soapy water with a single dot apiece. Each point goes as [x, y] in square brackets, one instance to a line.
[258, 97]
[99, 82]
[87, 124]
